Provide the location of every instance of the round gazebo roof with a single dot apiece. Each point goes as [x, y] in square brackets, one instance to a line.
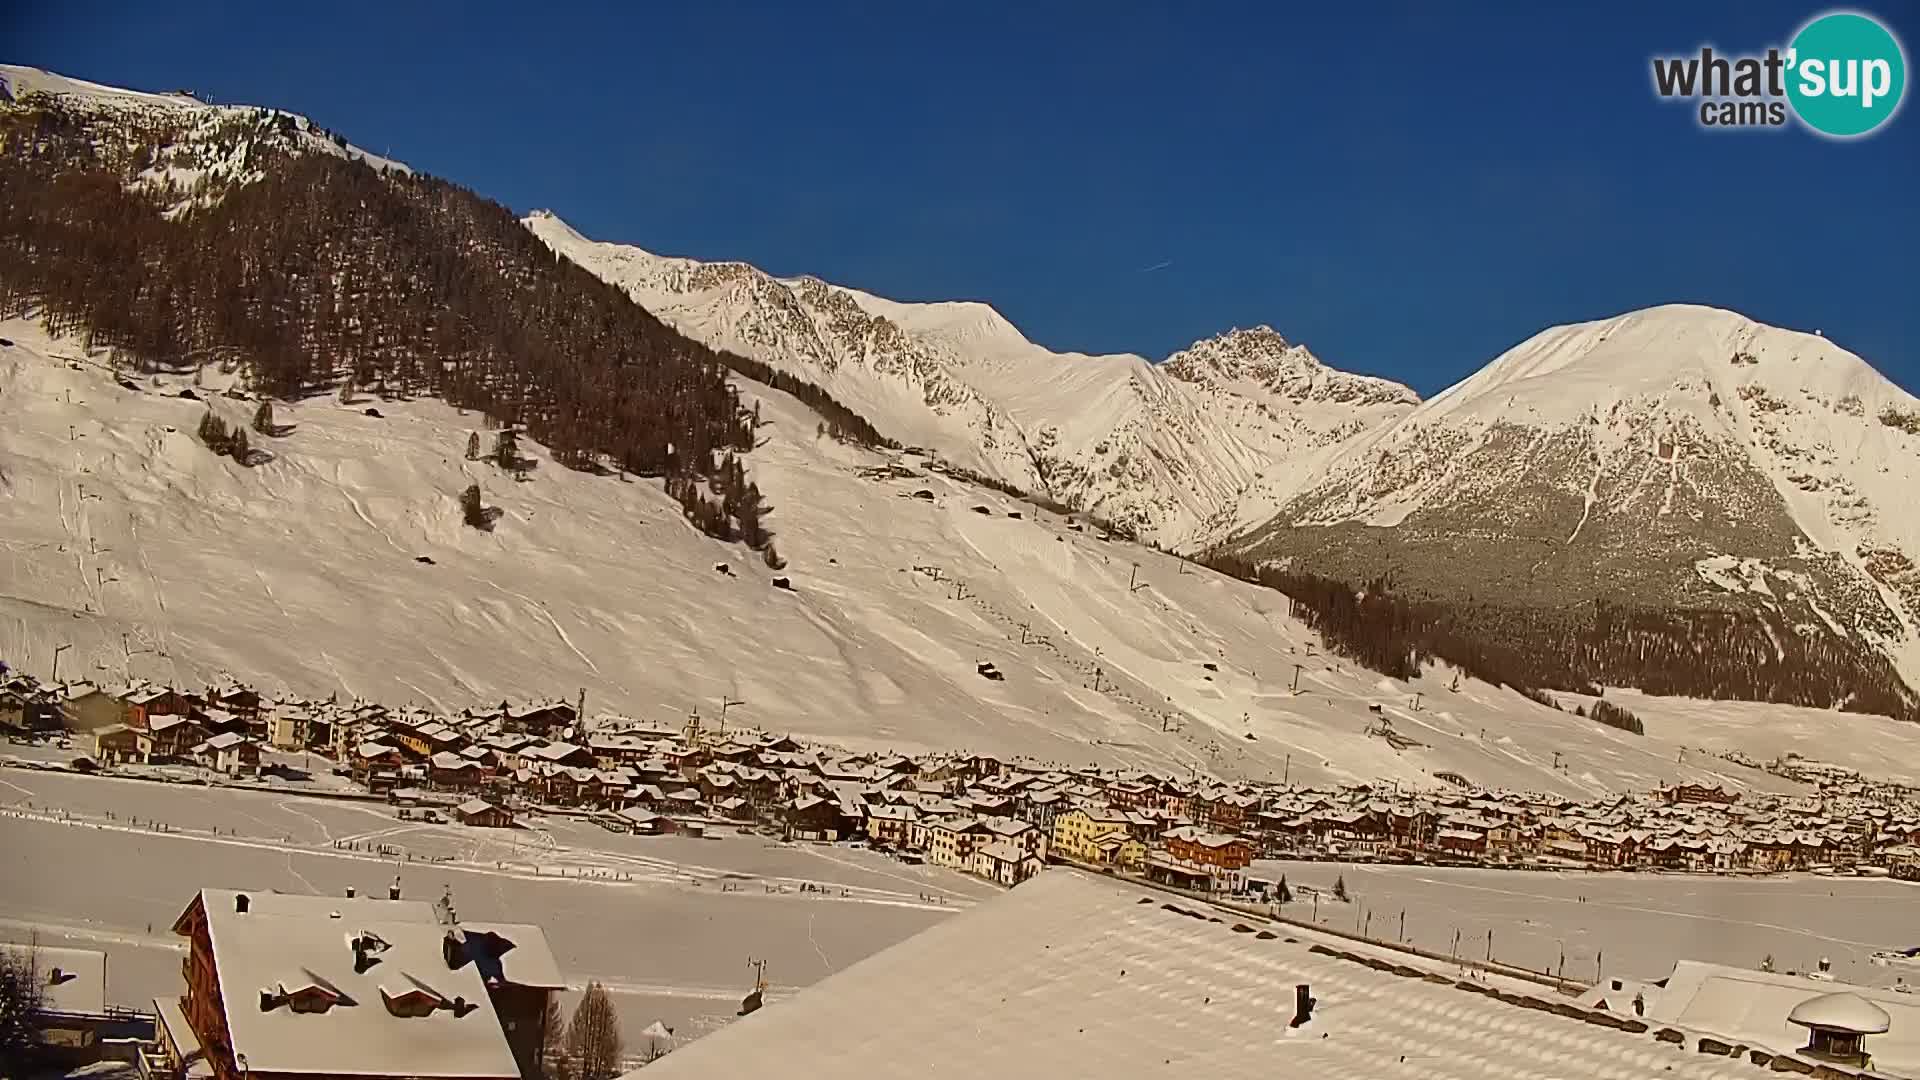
[1841, 1012]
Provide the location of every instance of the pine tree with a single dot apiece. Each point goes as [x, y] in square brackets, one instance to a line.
[1284, 894]
[553, 1050]
[263, 418]
[238, 447]
[472, 512]
[593, 1036]
[473, 446]
[213, 432]
[22, 995]
[1340, 888]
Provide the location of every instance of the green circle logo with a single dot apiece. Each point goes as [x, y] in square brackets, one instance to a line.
[1846, 74]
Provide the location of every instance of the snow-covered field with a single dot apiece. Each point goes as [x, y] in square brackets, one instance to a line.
[150, 556]
[666, 923]
[1625, 924]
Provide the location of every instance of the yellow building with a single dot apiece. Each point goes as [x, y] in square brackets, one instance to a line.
[1077, 833]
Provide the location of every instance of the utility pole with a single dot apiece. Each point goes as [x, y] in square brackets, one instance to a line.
[725, 703]
[1296, 679]
[1134, 576]
[1286, 778]
[1416, 701]
[57, 650]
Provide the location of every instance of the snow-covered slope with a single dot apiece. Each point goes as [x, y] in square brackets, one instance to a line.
[148, 555]
[1165, 450]
[1766, 462]
[206, 147]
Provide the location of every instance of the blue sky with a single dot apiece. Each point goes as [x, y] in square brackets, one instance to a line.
[1408, 189]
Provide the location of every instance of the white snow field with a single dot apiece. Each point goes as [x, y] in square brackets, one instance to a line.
[1075, 975]
[127, 540]
[666, 923]
[1623, 924]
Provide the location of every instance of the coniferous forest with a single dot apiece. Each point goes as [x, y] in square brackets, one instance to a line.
[318, 271]
[1702, 652]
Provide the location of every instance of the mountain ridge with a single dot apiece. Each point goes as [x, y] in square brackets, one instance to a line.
[1720, 493]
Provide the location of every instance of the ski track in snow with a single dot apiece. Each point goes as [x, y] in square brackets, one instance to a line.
[551, 621]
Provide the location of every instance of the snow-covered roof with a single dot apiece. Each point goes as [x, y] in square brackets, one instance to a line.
[1755, 1007]
[1111, 984]
[277, 947]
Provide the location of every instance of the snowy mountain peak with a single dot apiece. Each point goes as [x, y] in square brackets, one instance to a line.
[1135, 443]
[206, 147]
[1261, 357]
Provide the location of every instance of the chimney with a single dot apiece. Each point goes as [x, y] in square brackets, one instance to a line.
[350, 892]
[1303, 1003]
[240, 902]
[361, 961]
[393, 891]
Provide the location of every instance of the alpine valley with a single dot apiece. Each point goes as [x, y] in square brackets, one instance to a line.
[1680, 500]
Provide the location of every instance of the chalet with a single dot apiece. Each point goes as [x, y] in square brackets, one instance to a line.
[1004, 861]
[144, 702]
[888, 826]
[229, 753]
[1041, 807]
[1226, 811]
[810, 817]
[560, 753]
[1410, 828]
[448, 771]
[281, 987]
[1032, 840]
[86, 707]
[168, 737]
[14, 706]
[1699, 793]
[215, 720]
[480, 813]
[1363, 828]
[1216, 850]
[116, 745]
[541, 719]
[1459, 841]
[620, 748]
[642, 822]
[422, 741]
[952, 841]
[376, 764]
[736, 809]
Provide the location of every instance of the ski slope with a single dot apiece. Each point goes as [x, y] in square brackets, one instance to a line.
[128, 541]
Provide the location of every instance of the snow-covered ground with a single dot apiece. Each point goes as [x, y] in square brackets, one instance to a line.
[150, 556]
[666, 923]
[1624, 924]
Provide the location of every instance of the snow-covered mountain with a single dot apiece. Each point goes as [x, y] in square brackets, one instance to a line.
[1663, 461]
[342, 565]
[1671, 456]
[203, 148]
[1165, 450]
